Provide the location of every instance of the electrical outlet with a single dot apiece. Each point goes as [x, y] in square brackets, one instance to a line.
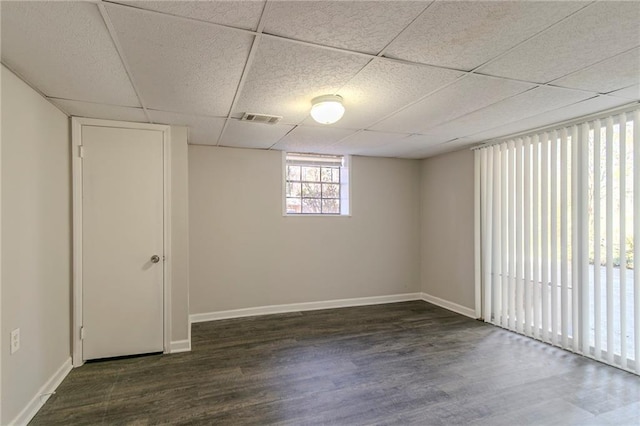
[15, 340]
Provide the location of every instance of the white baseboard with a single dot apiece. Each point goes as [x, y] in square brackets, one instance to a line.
[178, 346]
[459, 309]
[43, 394]
[307, 306]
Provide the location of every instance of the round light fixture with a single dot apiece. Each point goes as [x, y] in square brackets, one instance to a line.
[327, 109]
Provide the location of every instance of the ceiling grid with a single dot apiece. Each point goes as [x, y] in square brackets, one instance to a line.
[418, 78]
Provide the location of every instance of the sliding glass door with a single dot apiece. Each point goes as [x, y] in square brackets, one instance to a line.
[558, 212]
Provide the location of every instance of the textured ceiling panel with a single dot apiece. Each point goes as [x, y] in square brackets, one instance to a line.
[599, 31]
[401, 148]
[586, 107]
[245, 134]
[241, 14]
[313, 139]
[384, 86]
[191, 67]
[202, 130]
[106, 112]
[631, 92]
[466, 34]
[364, 26]
[613, 74]
[437, 149]
[64, 49]
[285, 77]
[367, 140]
[527, 104]
[469, 94]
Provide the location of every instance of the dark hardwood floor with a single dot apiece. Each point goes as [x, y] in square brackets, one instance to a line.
[401, 363]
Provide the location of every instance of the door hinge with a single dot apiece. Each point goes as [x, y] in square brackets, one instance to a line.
[81, 151]
[81, 333]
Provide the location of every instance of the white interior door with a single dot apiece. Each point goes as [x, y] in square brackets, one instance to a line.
[122, 231]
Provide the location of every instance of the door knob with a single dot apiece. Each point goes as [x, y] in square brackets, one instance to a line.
[155, 258]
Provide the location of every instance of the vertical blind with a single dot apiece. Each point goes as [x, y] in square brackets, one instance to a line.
[558, 213]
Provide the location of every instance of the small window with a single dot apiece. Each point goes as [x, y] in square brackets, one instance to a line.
[316, 184]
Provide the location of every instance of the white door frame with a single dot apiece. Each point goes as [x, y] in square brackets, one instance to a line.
[76, 163]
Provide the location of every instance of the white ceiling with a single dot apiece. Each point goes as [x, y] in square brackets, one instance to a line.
[418, 78]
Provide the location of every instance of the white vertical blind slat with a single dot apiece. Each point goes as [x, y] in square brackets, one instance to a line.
[585, 329]
[544, 172]
[596, 241]
[564, 244]
[483, 220]
[636, 237]
[609, 236]
[477, 219]
[526, 192]
[623, 241]
[519, 247]
[575, 244]
[497, 239]
[512, 236]
[554, 236]
[536, 238]
[483, 207]
[505, 235]
[487, 182]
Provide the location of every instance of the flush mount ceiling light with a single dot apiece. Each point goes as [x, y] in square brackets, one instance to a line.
[327, 109]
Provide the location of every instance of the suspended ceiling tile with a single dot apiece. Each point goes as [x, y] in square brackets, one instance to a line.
[400, 148]
[64, 50]
[598, 32]
[465, 34]
[285, 76]
[367, 140]
[384, 86]
[202, 130]
[245, 134]
[631, 92]
[240, 14]
[519, 107]
[464, 96]
[612, 74]
[586, 107]
[319, 140]
[102, 111]
[191, 67]
[438, 149]
[364, 26]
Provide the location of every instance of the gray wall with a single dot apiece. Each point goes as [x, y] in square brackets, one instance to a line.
[179, 234]
[447, 227]
[36, 242]
[244, 253]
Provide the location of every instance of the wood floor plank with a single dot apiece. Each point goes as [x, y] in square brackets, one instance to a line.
[400, 363]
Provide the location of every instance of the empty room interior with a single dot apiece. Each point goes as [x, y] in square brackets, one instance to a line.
[320, 212]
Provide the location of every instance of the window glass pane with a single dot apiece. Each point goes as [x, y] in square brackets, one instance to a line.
[336, 175]
[311, 174]
[293, 172]
[330, 190]
[311, 190]
[311, 205]
[294, 189]
[331, 206]
[294, 205]
[326, 174]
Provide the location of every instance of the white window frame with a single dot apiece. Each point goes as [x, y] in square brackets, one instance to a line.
[345, 188]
